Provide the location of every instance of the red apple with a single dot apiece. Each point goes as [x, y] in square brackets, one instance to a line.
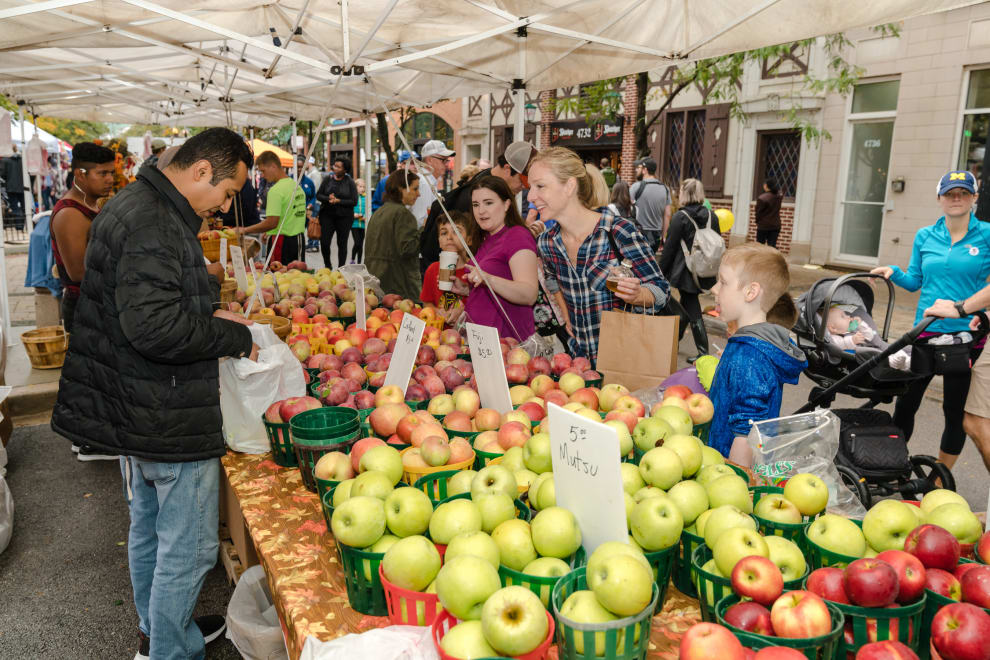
[361, 446]
[629, 403]
[297, 404]
[586, 396]
[364, 399]
[538, 365]
[516, 374]
[750, 616]
[960, 632]
[750, 654]
[935, 546]
[910, 574]
[886, 650]
[426, 355]
[457, 421]
[943, 583]
[624, 416]
[272, 414]
[679, 391]
[800, 614]
[757, 578]
[512, 434]
[487, 419]
[871, 583]
[556, 397]
[982, 548]
[385, 418]
[779, 653]
[582, 364]
[704, 641]
[829, 583]
[962, 569]
[533, 410]
[559, 362]
[976, 586]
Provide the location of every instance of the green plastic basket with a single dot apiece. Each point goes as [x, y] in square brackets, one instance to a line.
[819, 556]
[632, 632]
[899, 623]
[664, 563]
[738, 470]
[320, 432]
[313, 387]
[469, 435]
[522, 511]
[314, 373]
[280, 440]
[484, 458]
[434, 485]
[790, 531]
[539, 585]
[813, 648]
[720, 586]
[364, 414]
[324, 485]
[418, 405]
[326, 504]
[364, 585]
[682, 574]
[933, 603]
[700, 431]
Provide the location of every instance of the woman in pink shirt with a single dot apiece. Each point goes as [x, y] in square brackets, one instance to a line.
[507, 257]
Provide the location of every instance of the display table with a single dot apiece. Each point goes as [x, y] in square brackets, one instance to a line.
[307, 585]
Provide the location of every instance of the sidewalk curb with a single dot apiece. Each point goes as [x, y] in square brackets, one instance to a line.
[31, 400]
[15, 248]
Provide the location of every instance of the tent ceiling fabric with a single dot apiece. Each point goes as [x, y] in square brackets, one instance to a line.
[214, 62]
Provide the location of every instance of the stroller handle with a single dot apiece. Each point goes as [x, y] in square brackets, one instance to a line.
[839, 281]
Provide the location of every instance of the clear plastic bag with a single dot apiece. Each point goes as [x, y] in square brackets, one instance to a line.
[349, 271]
[786, 446]
[538, 346]
[6, 504]
[252, 622]
[388, 643]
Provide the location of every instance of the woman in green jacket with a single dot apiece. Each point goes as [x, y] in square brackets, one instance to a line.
[391, 245]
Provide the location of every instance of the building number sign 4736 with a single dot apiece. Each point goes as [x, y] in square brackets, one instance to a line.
[872, 143]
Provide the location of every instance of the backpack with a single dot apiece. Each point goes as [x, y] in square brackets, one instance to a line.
[707, 248]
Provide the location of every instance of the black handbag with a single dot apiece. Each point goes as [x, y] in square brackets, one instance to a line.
[869, 440]
[948, 359]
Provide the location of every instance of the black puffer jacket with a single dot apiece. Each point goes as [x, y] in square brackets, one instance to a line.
[683, 226]
[141, 376]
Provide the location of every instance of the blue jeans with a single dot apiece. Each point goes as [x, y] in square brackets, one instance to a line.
[172, 545]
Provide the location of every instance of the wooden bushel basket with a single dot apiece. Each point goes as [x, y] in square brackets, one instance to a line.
[46, 346]
[227, 290]
[282, 326]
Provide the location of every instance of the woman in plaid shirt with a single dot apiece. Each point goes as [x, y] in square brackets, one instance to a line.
[576, 251]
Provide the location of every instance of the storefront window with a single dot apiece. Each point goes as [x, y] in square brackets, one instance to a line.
[424, 126]
[976, 123]
[876, 97]
[341, 137]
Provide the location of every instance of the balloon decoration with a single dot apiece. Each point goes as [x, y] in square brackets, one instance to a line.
[688, 376]
[725, 219]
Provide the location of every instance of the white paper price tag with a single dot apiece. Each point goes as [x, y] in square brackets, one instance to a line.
[586, 476]
[223, 252]
[237, 258]
[404, 356]
[489, 370]
[257, 290]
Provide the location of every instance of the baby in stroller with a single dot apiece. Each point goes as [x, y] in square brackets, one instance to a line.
[850, 333]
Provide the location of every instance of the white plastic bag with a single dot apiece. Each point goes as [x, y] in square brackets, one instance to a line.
[252, 622]
[808, 442]
[247, 389]
[390, 643]
[6, 514]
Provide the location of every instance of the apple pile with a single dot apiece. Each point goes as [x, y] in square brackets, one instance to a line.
[960, 632]
[282, 411]
[429, 444]
[342, 379]
[711, 640]
[217, 234]
[302, 296]
[520, 368]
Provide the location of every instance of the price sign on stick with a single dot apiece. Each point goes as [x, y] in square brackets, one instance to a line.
[237, 257]
[257, 290]
[489, 370]
[357, 283]
[223, 252]
[586, 476]
[404, 355]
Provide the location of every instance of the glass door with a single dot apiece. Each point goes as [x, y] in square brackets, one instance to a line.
[865, 190]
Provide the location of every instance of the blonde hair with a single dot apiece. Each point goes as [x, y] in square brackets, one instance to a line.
[468, 172]
[592, 190]
[692, 192]
[767, 267]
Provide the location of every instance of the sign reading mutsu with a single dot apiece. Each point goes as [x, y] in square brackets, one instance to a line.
[580, 134]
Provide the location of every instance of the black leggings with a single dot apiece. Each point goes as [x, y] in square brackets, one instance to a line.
[767, 236]
[955, 390]
[358, 249]
[692, 307]
[330, 227]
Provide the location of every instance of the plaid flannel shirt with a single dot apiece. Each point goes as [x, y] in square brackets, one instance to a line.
[583, 284]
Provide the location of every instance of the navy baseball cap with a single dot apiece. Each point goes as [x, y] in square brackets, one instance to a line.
[957, 179]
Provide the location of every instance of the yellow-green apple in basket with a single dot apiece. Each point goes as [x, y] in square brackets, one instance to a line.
[678, 418]
[606, 551]
[625, 438]
[583, 607]
[384, 459]
[514, 621]
[837, 534]
[359, 522]
[724, 518]
[632, 478]
[546, 497]
[938, 497]
[512, 460]
[730, 489]
[495, 509]
[411, 563]
[623, 585]
[515, 544]
[536, 453]
[342, 492]
[690, 499]
[493, 479]
[711, 456]
[656, 523]
[477, 544]
[808, 493]
[464, 584]
[887, 524]
[372, 484]
[777, 508]
[788, 557]
[467, 640]
[335, 466]
[661, 467]
[460, 482]
[688, 448]
[408, 512]
[958, 519]
[452, 518]
[734, 544]
[610, 394]
[555, 532]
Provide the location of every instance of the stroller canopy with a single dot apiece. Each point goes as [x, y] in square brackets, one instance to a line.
[854, 293]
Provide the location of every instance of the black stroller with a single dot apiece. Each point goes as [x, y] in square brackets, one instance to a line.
[872, 459]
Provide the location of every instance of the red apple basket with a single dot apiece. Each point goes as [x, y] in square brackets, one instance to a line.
[413, 474]
[868, 624]
[409, 608]
[791, 531]
[445, 621]
[321, 431]
[280, 441]
[623, 639]
[823, 647]
[933, 603]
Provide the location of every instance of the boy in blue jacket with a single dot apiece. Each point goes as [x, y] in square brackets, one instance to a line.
[760, 357]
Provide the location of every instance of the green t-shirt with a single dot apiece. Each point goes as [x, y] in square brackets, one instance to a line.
[278, 205]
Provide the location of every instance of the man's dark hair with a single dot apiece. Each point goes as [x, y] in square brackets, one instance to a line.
[222, 148]
[650, 165]
[268, 158]
[399, 180]
[502, 162]
[772, 186]
[88, 154]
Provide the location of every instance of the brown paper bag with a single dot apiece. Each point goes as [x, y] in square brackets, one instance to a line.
[637, 350]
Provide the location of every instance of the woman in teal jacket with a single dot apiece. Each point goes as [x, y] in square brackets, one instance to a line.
[951, 260]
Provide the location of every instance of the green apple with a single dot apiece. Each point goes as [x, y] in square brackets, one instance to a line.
[647, 491]
[512, 459]
[691, 529]
[515, 544]
[632, 480]
[777, 508]
[555, 532]
[711, 456]
[690, 498]
[407, 511]
[936, 498]
[630, 502]
[464, 584]
[372, 484]
[656, 523]
[625, 438]
[661, 467]
[342, 492]
[724, 518]
[467, 640]
[548, 494]
[525, 478]
[606, 551]
[958, 519]
[870, 552]
[736, 543]
[547, 567]
[649, 431]
[688, 448]
[495, 510]
[623, 585]
[384, 459]
[678, 418]
[460, 482]
[359, 522]
[699, 523]
[477, 544]
[710, 473]
[808, 492]
[412, 563]
[493, 479]
[583, 607]
[730, 489]
[887, 524]
[453, 518]
[918, 514]
[788, 557]
[838, 534]
[380, 547]
[514, 621]
[534, 489]
[710, 567]
[536, 453]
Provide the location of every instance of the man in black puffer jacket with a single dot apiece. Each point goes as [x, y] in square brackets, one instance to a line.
[141, 377]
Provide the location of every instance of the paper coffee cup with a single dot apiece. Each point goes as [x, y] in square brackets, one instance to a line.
[448, 264]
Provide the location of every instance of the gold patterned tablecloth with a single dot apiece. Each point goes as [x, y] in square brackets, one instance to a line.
[304, 575]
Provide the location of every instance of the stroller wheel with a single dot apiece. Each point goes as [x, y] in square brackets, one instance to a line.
[856, 484]
[929, 474]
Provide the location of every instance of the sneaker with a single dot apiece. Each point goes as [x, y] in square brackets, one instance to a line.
[75, 449]
[85, 455]
[144, 647]
[212, 626]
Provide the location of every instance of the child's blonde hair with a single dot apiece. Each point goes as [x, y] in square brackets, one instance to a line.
[592, 190]
[767, 267]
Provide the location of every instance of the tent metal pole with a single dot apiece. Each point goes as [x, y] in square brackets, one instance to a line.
[24, 10]
[755, 11]
[583, 36]
[368, 158]
[348, 60]
[345, 32]
[28, 193]
[519, 91]
[292, 150]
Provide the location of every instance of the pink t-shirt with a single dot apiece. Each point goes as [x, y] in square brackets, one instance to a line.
[493, 256]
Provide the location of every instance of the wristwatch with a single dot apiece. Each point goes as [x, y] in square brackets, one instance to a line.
[959, 308]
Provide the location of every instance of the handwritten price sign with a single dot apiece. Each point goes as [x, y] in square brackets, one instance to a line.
[489, 370]
[406, 347]
[586, 476]
[237, 258]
